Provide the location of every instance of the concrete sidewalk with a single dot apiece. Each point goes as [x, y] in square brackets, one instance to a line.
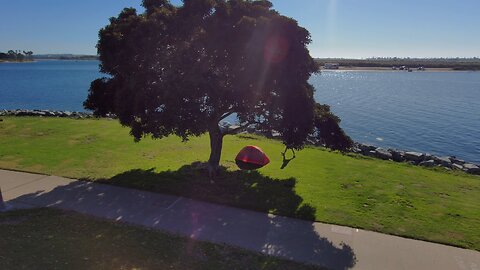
[331, 246]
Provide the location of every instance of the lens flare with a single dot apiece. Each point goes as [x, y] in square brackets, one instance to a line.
[276, 49]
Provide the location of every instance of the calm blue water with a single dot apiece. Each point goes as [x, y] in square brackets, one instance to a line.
[438, 113]
[433, 112]
[55, 85]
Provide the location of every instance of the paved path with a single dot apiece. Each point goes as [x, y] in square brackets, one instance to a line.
[331, 246]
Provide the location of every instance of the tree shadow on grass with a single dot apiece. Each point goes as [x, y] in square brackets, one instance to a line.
[294, 239]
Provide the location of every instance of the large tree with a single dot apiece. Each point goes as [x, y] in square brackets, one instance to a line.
[183, 69]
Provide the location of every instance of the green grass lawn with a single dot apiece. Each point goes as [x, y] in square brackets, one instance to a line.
[53, 239]
[388, 197]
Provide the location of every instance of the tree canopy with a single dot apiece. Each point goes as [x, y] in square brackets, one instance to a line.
[183, 69]
[327, 130]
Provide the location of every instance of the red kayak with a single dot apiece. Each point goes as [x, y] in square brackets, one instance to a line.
[251, 158]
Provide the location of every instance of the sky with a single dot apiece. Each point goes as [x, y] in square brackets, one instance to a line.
[339, 28]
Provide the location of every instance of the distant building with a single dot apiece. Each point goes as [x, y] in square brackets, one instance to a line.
[331, 66]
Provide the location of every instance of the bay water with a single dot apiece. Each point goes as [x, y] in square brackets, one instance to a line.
[433, 112]
[429, 112]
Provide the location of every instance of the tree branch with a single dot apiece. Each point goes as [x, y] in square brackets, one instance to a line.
[235, 130]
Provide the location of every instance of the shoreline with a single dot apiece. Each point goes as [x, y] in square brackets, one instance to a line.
[41, 60]
[15, 62]
[387, 69]
[394, 155]
[416, 158]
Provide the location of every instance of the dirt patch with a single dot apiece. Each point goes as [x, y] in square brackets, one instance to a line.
[455, 235]
[9, 163]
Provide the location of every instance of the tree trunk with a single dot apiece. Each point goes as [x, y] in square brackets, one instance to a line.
[216, 142]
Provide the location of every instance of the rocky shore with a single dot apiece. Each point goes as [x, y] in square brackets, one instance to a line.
[45, 113]
[415, 158]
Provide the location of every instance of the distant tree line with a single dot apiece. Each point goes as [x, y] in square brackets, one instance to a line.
[16, 55]
[65, 57]
[453, 63]
[80, 57]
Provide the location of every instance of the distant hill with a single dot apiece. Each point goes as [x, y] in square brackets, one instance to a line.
[65, 56]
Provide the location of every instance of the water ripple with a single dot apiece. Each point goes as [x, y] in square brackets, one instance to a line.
[435, 112]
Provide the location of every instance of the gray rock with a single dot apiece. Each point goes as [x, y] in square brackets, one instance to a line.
[398, 156]
[457, 161]
[427, 163]
[414, 156]
[444, 161]
[471, 168]
[47, 113]
[233, 127]
[427, 156]
[23, 113]
[452, 158]
[251, 129]
[224, 126]
[276, 134]
[383, 154]
[457, 166]
[356, 150]
[366, 147]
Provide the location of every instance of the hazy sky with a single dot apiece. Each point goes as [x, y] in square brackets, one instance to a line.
[339, 28]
